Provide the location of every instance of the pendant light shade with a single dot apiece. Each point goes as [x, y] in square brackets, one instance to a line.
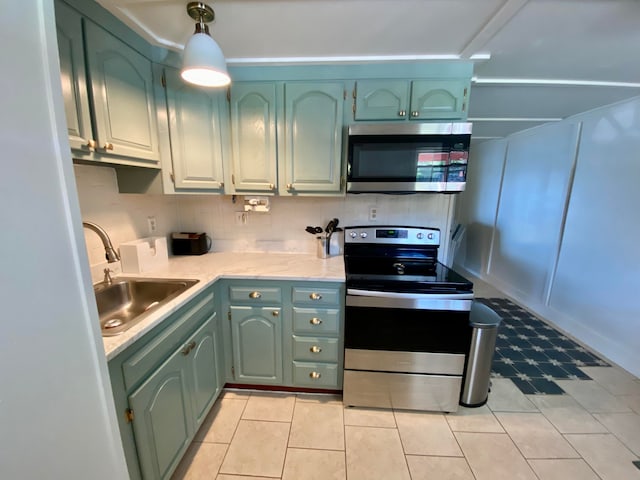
[203, 62]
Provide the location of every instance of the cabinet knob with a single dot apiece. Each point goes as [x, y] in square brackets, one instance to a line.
[187, 349]
[402, 113]
[91, 144]
[315, 349]
[221, 184]
[315, 296]
[108, 146]
[272, 186]
[315, 375]
[315, 321]
[255, 295]
[415, 114]
[289, 186]
[276, 313]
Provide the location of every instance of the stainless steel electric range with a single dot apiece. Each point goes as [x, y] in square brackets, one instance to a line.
[407, 329]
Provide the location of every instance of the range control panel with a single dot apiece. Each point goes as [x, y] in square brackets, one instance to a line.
[393, 235]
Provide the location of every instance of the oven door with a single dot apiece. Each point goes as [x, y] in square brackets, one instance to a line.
[405, 322]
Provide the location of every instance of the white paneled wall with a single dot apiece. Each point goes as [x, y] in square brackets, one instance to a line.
[124, 216]
[564, 226]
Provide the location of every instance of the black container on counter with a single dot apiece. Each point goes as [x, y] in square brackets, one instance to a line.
[189, 243]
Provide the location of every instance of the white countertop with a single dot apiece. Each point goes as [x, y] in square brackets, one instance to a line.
[212, 266]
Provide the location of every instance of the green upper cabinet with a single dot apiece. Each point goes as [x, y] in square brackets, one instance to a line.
[121, 88]
[196, 119]
[253, 137]
[432, 100]
[312, 157]
[381, 100]
[445, 99]
[73, 77]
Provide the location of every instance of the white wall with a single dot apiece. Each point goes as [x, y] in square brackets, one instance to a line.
[124, 216]
[565, 224]
[57, 418]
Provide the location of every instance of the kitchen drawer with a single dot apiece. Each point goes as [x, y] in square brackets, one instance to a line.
[255, 295]
[316, 321]
[315, 375]
[138, 366]
[316, 296]
[315, 349]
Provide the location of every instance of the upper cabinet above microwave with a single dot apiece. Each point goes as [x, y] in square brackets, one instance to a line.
[423, 100]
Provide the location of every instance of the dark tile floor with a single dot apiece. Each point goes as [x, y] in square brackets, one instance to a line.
[533, 354]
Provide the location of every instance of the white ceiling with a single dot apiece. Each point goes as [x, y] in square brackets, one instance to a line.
[535, 60]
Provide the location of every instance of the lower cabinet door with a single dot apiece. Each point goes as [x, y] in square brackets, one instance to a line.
[163, 421]
[257, 344]
[201, 363]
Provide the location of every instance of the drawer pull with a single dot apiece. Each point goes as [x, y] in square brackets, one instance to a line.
[255, 295]
[315, 296]
[315, 321]
[315, 375]
[315, 349]
[186, 350]
[276, 313]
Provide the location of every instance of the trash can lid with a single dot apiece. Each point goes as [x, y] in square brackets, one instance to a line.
[483, 316]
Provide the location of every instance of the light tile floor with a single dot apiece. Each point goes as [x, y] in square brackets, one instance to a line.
[251, 435]
[591, 432]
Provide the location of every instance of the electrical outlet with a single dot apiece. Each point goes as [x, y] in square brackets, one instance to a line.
[152, 224]
[241, 218]
[373, 214]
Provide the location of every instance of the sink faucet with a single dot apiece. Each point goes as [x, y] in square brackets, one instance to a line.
[110, 253]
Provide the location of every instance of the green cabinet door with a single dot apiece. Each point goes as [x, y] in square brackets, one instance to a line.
[382, 100]
[432, 100]
[253, 137]
[202, 367]
[73, 77]
[256, 334]
[195, 124]
[312, 157]
[121, 88]
[163, 419]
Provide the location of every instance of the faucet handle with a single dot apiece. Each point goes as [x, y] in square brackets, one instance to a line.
[107, 276]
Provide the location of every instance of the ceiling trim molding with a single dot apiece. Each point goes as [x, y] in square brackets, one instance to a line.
[493, 26]
[546, 81]
[347, 59]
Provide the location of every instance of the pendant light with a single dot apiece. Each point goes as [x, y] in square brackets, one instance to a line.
[203, 62]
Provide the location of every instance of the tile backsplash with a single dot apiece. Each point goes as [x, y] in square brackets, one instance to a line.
[282, 229]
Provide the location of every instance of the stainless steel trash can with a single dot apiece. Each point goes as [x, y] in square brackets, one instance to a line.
[484, 323]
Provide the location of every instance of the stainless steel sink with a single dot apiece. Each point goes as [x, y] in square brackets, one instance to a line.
[127, 301]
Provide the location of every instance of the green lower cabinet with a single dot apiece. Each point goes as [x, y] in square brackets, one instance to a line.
[256, 333]
[165, 384]
[163, 421]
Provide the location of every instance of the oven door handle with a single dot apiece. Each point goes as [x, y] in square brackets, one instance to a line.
[422, 301]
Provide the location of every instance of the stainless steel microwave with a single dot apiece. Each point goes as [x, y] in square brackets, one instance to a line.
[407, 157]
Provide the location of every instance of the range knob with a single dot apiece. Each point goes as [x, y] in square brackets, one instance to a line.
[420, 236]
[353, 234]
[430, 236]
[363, 235]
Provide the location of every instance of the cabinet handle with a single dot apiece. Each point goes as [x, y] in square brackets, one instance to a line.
[402, 113]
[315, 321]
[272, 186]
[415, 114]
[315, 349]
[221, 184]
[108, 146]
[275, 313]
[255, 295]
[91, 144]
[289, 186]
[190, 346]
[315, 375]
[315, 296]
